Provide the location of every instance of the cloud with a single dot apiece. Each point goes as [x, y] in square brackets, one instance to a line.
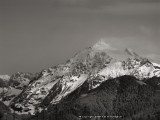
[113, 7]
[92, 4]
[102, 45]
[102, 2]
[132, 8]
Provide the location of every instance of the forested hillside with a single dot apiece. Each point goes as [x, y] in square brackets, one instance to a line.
[123, 98]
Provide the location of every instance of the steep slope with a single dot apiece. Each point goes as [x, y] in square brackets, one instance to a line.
[94, 65]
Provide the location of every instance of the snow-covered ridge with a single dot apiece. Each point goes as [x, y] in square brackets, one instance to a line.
[139, 68]
[5, 77]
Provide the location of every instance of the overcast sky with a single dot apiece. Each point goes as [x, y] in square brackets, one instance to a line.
[38, 34]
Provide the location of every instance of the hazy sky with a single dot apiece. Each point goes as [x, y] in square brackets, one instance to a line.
[37, 34]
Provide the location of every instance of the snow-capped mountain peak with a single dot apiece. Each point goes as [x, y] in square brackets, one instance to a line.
[93, 66]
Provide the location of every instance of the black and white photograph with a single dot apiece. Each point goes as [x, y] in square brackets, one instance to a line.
[79, 59]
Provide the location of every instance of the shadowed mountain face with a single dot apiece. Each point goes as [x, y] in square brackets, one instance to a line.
[124, 97]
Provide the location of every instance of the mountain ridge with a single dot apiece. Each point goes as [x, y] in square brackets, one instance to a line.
[94, 65]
